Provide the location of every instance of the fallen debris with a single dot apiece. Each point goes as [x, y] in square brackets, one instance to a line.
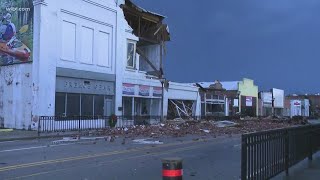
[180, 127]
[146, 141]
[206, 131]
[225, 124]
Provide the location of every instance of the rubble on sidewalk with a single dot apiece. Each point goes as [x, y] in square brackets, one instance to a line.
[180, 127]
[225, 124]
[146, 141]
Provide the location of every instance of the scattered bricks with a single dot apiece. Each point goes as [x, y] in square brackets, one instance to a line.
[181, 128]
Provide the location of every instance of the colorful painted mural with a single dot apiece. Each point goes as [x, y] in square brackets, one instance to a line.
[16, 31]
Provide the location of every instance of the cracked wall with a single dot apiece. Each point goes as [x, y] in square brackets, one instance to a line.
[15, 96]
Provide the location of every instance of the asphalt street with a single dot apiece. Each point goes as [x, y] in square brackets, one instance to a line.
[203, 159]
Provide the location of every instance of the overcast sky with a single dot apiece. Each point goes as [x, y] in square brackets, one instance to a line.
[274, 42]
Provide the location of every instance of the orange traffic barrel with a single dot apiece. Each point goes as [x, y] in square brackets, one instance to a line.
[172, 169]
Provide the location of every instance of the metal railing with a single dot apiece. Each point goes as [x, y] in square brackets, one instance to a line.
[80, 123]
[266, 154]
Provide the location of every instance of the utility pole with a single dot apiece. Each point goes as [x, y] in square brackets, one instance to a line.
[273, 113]
[162, 80]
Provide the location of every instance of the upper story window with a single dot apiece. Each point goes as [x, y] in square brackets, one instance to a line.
[131, 54]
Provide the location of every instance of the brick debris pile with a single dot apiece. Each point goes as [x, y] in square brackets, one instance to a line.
[178, 128]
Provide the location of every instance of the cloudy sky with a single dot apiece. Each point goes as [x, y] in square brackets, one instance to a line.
[274, 42]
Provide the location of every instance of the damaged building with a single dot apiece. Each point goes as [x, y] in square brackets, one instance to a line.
[271, 103]
[144, 82]
[229, 98]
[105, 57]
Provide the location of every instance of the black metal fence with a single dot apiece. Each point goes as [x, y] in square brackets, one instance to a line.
[266, 154]
[80, 123]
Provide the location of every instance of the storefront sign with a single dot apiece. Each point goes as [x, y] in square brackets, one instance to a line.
[16, 36]
[296, 103]
[235, 102]
[157, 91]
[128, 89]
[248, 101]
[144, 90]
[278, 95]
[84, 86]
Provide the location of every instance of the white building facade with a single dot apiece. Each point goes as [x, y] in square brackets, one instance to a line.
[84, 63]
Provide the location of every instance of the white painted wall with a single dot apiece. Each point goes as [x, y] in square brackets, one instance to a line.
[16, 96]
[85, 33]
[88, 35]
[76, 34]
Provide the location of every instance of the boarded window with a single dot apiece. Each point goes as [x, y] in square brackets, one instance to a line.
[87, 45]
[68, 41]
[103, 49]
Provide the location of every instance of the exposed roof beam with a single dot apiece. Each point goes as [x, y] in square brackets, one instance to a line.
[149, 62]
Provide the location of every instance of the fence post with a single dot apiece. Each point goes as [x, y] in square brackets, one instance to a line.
[310, 143]
[79, 125]
[39, 126]
[286, 152]
[243, 157]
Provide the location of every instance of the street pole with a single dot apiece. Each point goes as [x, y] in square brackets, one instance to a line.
[162, 98]
[273, 113]
[162, 80]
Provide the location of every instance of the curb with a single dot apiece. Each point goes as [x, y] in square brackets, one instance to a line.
[34, 137]
[6, 130]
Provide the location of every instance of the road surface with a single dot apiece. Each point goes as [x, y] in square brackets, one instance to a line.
[203, 159]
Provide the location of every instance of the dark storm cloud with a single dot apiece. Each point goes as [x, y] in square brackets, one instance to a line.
[274, 42]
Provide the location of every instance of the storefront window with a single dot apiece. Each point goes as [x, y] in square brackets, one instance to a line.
[60, 104]
[155, 107]
[68, 104]
[98, 105]
[73, 104]
[86, 105]
[142, 106]
[127, 106]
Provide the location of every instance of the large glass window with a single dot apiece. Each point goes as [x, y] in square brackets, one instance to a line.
[131, 55]
[99, 105]
[127, 106]
[86, 105]
[155, 107]
[70, 104]
[60, 106]
[73, 104]
[142, 106]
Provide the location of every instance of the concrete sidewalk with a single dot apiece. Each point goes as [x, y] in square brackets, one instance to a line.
[12, 134]
[304, 170]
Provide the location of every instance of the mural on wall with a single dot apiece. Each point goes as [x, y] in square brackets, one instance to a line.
[16, 31]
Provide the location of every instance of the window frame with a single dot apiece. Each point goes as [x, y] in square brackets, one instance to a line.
[134, 63]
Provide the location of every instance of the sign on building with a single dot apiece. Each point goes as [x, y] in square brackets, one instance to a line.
[248, 101]
[144, 90]
[84, 86]
[16, 31]
[266, 98]
[157, 91]
[236, 103]
[128, 89]
[278, 96]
